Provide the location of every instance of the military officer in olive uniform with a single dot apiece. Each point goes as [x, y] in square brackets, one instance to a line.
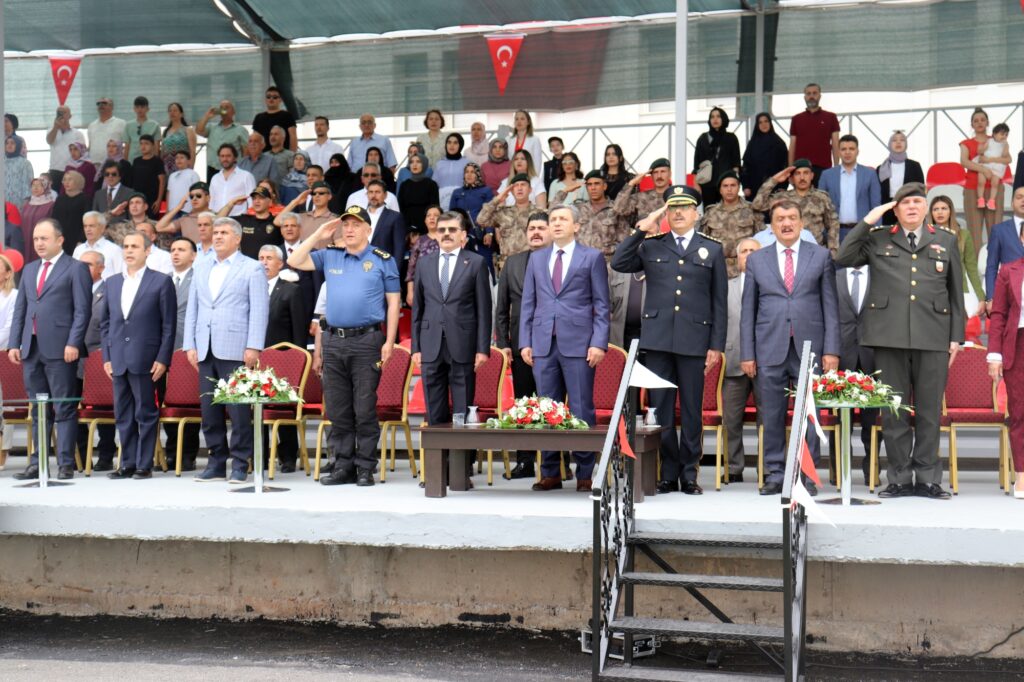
[913, 317]
[363, 293]
[684, 323]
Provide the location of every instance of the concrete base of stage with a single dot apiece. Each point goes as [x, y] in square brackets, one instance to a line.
[907, 577]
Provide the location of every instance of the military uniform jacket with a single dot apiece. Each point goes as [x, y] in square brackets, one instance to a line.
[686, 307]
[729, 225]
[816, 210]
[915, 298]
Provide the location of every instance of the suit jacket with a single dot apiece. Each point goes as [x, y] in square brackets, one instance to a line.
[181, 295]
[869, 191]
[510, 300]
[99, 199]
[62, 309]
[390, 234]
[732, 337]
[233, 321]
[133, 343]
[1004, 246]
[93, 337]
[770, 312]
[851, 351]
[1005, 315]
[463, 320]
[580, 307]
[288, 320]
[912, 172]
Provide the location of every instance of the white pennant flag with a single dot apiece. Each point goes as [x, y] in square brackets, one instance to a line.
[642, 377]
[804, 499]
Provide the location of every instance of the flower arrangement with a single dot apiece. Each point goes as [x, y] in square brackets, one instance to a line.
[255, 385]
[537, 413]
[855, 388]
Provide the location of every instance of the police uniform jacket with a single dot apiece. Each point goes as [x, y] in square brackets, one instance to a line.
[915, 297]
[686, 307]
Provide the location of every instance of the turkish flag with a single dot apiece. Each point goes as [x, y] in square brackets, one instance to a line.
[64, 71]
[504, 50]
[624, 446]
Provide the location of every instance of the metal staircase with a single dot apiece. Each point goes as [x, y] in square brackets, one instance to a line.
[618, 542]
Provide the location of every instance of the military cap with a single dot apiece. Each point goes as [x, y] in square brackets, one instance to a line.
[802, 163]
[726, 175]
[357, 212]
[138, 195]
[519, 177]
[681, 195]
[594, 174]
[911, 189]
[200, 185]
[260, 192]
[320, 184]
[660, 163]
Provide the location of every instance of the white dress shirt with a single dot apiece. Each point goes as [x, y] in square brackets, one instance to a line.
[452, 258]
[179, 277]
[52, 262]
[863, 270]
[566, 258]
[780, 251]
[224, 188]
[219, 272]
[687, 238]
[916, 233]
[159, 260]
[289, 248]
[374, 218]
[359, 199]
[897, 171]
[271, 283]
[113, 263]
[320, 154]
[130, 289]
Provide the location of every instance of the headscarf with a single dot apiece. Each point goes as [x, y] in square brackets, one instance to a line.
[885, 168]
[83, 156]
[337, 176]
[380, 155]
[46, 197]
[296, 179]
[479, 149]
[490, 151]
[422, 175]
[119, 156]
[18, 146]
[761, 143]
[479, 176]
[462, 143]
[715, 136]
[419, 149]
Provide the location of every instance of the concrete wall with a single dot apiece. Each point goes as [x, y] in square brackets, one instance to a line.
[893, 609]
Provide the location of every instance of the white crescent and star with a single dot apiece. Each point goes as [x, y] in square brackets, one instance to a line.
[504, 60]
[63, 79]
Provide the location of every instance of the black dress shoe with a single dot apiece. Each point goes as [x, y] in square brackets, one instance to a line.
[897, 490]
[691, 488]
[339, 477]
[120, 474]
[521, 470]
[364, 478]
[287, 467]
[30, 472]
[65, 472]
[772, 488]
[185, 466]
[667, 487]
[103, 465]
[143, 473]
[736, 478]
[934, 491]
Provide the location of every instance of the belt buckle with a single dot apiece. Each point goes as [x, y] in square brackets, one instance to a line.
[341, 332]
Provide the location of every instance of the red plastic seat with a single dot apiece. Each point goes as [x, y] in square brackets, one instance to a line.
[945, 173]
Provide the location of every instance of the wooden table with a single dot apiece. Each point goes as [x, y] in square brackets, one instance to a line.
[446, 450]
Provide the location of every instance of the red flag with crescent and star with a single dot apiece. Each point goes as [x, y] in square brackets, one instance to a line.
[504, 50]
[64, 71]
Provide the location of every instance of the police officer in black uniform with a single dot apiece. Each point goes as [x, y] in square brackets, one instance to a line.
[684, 323]
[363, 293]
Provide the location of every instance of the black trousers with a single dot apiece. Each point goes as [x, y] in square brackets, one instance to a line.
[680, 454]
[523, 386]
[351, 374]
[772, 382]
[58, 379]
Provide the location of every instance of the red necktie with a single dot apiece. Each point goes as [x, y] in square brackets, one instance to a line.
[39, 287]
[556, 274]
[789, 274]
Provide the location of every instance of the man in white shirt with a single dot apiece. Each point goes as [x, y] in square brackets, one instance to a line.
[105, 128]
[180, 181]
[230, 182]
[321, 151]
[60, 135]
[94, 224]
[371, 172]
[369, 138]
[158, 259]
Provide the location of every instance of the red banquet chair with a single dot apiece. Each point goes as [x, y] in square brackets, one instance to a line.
[945, 173]
[13, 381]
[290, 363]
[607, 377]
[487, 395]
[712, 416]
[312, 403]
[181, 400]
[97, 406]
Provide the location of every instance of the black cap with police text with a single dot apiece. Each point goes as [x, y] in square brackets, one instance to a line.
[594, 174]
[803, 163]
[519, 177]
[660, 163]
[357, 212]
[681, 195]
[200, 185]
[320, 184]
[260, 192]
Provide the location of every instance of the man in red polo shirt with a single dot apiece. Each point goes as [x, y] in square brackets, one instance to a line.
[814, 134]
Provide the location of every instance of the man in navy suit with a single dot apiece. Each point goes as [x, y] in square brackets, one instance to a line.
[387, 227]
[853, 188]
[789, 297]
[451, 321]
[55, 300]
[137, 322]
[1005, 243]
[563, 330]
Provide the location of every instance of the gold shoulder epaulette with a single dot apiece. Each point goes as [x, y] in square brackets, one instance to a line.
[876, 228]
[382, 253]
[946, 229]
[656, 235]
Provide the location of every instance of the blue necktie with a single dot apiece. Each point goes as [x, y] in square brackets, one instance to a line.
[444, 275]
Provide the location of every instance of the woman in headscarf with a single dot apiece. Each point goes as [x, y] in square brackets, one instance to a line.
[417, 194]
[721, 149]
[404, 172]
[614, 171]
[433, 142]
[478, 150]
[766, 154]
[470, 198]
[18, 172]
[495, 169]
[115, 153]
[39, 206]
[342, 181]
[449, 171]
[375, 155]
[294, 183]
[69, 208]
[11, 130]
[80, 162]
[896, 171]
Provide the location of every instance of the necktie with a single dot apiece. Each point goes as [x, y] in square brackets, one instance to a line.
[681, 241]
[110, 198]
[556, 274]
[177, 281]
[39, 287]
[790, 273]
[855, 290]
[444, 275]
[912, 237]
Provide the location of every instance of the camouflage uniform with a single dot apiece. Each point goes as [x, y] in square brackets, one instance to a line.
[117, 229]
[509, 223]
[816, 209]
[730, 224]
[632, 206]
[602, 230]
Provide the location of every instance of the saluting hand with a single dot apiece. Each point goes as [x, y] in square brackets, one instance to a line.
[327, 230]
[783, 175]
[875, 214]
[652, 222]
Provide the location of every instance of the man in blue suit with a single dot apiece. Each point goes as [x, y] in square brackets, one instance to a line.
[137, 323]
[1005, 243]
[387, 227]
[225, 326]
[563, 330]
[853, 188]
[789, 297]
[55, 301]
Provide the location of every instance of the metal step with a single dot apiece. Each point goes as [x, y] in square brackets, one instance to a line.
[699, 630]
[692, 540]
[708, 582]
[624, 672]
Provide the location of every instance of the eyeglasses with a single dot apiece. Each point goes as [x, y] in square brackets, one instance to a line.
[196, 195]
[103, 104]
[320, 193]
[112, 175]
[448, 230]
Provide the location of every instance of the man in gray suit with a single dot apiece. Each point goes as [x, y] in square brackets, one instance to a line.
[737, 386]
[789, 297]
[852, 289]
[183, 255]
[107, 447]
